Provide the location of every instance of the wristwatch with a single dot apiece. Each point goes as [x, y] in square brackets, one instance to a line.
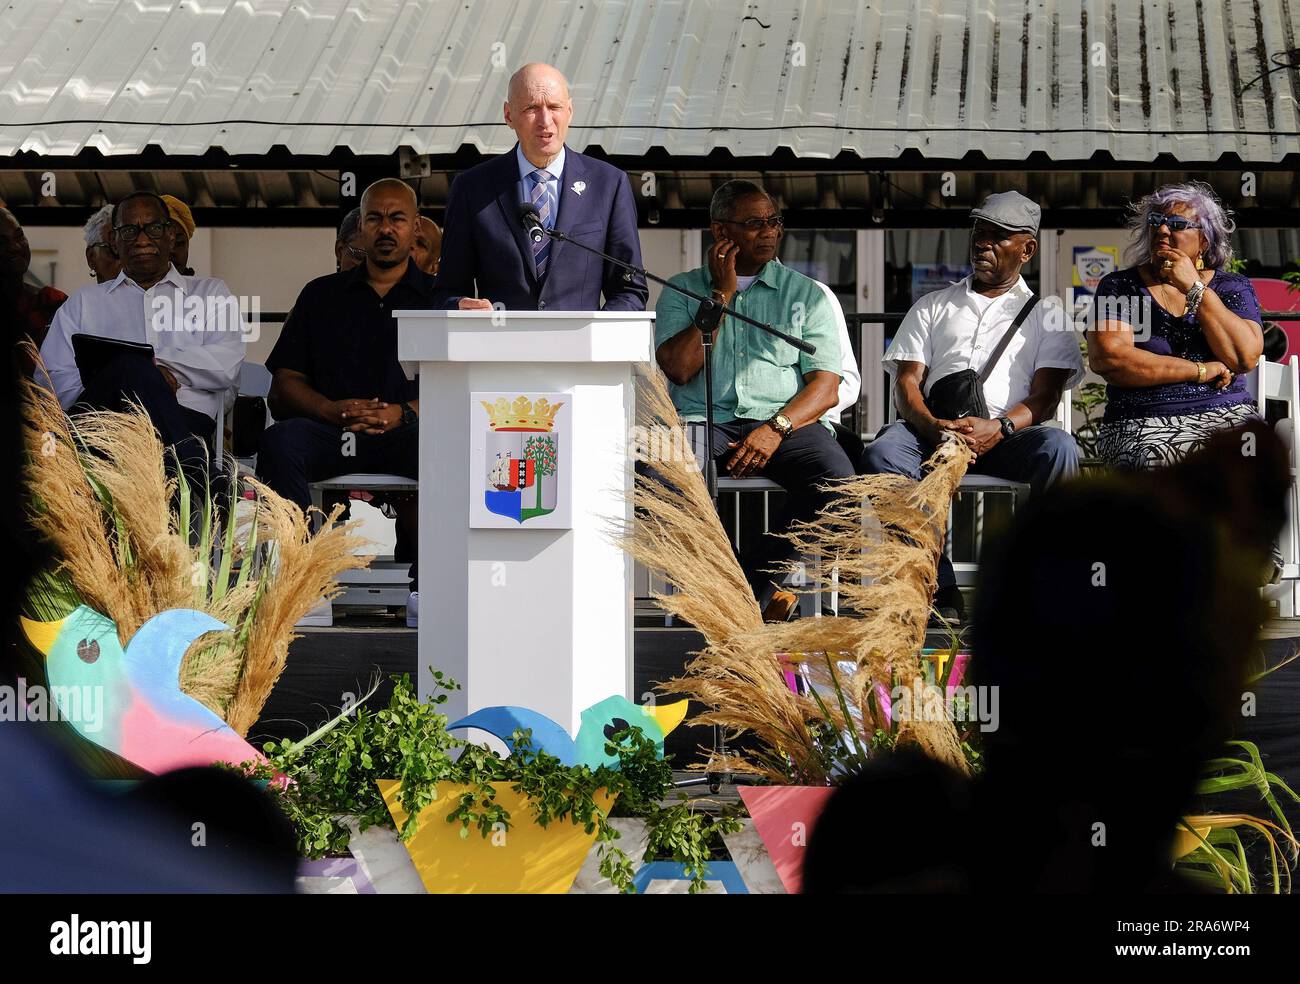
[408, 415]
[1008, 426]
[781, 424]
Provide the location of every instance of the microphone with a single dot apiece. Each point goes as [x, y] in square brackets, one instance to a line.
[531, 221]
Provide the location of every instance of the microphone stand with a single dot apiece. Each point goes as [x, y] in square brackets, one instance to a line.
[707, 318]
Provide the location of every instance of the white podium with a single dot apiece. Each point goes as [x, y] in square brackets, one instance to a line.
[525, 418]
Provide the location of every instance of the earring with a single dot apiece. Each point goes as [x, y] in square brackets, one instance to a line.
[1200, 263]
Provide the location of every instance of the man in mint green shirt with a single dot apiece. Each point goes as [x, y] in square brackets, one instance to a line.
[769, 399]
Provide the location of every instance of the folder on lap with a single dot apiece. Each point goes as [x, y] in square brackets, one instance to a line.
[93, 352]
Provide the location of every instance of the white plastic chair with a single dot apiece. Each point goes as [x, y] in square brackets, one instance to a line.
[1279, 384]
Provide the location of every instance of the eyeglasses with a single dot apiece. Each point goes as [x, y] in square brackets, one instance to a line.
[1176, 223]
[755, 225]
[101, 246]
[357, 254]
[130, 233]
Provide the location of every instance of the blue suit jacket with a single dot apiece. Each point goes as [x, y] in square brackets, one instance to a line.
[484, 245]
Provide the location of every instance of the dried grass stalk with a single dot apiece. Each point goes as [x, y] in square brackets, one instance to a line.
[307, 567]
[101, 497]
[882, 533]
[676, 532]
[130, 567]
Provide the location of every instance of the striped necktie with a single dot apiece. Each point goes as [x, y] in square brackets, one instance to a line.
[545, 212]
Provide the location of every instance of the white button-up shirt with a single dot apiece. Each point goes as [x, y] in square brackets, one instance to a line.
[954, 328]
[193, 323]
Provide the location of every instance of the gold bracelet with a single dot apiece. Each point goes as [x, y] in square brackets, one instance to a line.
[1200, 372]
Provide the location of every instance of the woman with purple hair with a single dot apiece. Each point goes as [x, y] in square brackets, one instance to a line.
[1173, 334]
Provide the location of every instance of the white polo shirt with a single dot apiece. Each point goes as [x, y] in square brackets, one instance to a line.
[954, 328]
[193, 324]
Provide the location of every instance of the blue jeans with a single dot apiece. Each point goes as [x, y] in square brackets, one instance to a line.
[1038, 456]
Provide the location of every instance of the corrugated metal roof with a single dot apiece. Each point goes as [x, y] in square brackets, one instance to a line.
[1195, 79]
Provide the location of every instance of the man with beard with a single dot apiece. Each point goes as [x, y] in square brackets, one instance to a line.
[959, 329]
[339, 395]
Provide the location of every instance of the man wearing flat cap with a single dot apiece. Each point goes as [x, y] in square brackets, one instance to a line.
[966, 329]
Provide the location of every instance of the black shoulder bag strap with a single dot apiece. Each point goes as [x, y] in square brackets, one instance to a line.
[1019, 320]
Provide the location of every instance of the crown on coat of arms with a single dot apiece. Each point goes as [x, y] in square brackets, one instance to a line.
[522, 415]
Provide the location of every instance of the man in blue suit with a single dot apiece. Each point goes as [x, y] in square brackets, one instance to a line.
[488, 259]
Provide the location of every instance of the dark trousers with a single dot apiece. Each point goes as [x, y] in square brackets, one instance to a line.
[132, 378]
[296, 452]
[1037, 456]
[804, 460]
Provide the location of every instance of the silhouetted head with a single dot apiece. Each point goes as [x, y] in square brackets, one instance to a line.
[1117, 616]
[900, 826]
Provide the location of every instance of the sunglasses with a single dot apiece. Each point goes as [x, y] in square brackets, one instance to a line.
[1176, 223]
[130, 233]
[755, 225]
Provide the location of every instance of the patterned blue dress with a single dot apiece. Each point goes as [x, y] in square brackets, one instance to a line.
[1147, 427]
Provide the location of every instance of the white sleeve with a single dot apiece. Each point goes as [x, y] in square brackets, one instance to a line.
[912, 341]
[850, 377]
[60, 372]
[211, 361]
[1058, 342]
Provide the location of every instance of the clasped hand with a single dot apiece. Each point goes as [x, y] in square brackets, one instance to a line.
[366, 416]
[981, 435]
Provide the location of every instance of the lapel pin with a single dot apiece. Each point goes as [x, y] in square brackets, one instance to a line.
[579, 187]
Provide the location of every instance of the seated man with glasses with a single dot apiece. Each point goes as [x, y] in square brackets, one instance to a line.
[993, 342]
[192, 323]
[771, 402]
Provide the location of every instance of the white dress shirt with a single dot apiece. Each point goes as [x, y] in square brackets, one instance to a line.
[850, 376]
[193, 323]
[954, 328]
[555, 169]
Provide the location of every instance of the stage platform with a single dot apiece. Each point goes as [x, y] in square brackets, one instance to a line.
[326, 664]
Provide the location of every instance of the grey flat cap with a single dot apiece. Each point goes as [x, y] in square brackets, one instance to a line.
[1010, 210]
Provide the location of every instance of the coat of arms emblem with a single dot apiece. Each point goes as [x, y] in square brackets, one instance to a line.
[522, 458]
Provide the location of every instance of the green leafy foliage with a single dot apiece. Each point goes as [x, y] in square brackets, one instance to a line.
[333, 776]
[689, 835]
[1222, 861]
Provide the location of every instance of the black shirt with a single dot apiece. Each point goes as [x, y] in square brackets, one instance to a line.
[342, 335]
